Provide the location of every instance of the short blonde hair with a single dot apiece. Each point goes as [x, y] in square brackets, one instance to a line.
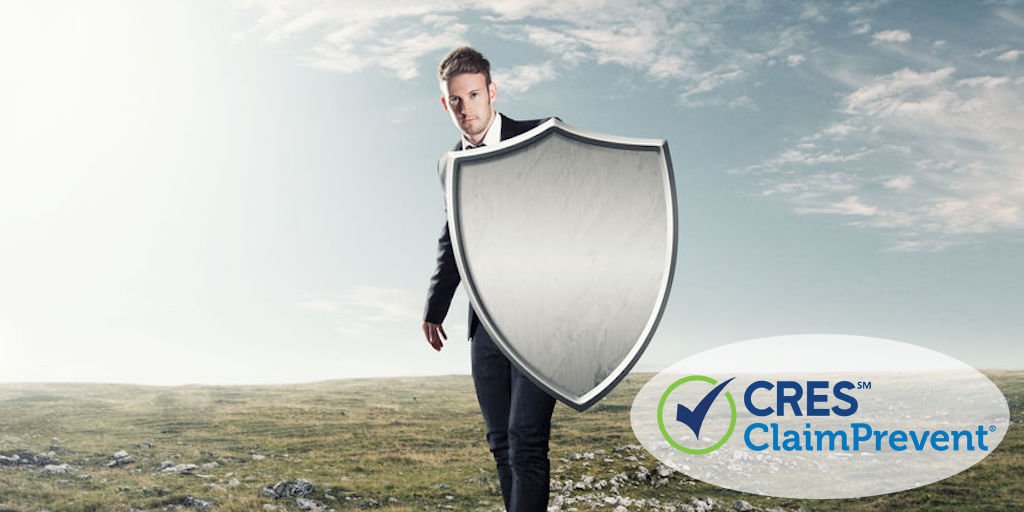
[463, 60]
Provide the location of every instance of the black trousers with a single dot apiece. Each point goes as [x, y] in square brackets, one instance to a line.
[518, 418]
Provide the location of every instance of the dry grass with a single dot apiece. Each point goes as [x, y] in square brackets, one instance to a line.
[387, 444]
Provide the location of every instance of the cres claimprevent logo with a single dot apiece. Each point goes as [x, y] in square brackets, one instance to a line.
[702, 394]
[858, 416]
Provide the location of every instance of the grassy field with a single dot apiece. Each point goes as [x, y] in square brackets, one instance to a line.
[383, 444]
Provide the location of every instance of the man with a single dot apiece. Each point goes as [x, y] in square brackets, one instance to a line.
[516, 412]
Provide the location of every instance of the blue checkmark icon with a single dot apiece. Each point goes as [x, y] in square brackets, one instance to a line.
[695, 418]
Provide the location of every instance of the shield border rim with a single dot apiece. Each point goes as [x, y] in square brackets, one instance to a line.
[534, 135]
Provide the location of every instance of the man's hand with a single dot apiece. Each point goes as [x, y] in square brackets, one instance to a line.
[434, 333]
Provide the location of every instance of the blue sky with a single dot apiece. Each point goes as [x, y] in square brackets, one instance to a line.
[246, 192]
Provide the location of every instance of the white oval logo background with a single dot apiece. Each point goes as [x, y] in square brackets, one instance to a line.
[904, 396]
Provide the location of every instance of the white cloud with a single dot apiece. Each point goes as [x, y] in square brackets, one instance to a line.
[860, 27]
[522, 78]
[886, 93]
[687, 43]
[1011, 16]
[568, 48]
[850, 205]
[1009, 56]
[891, 36]
[931, 160]
[921, 152]
[988, 51]
[797, 156]
[838, 131]
[863, 7]
[356, 46]
[669, 66]
[813, 13]
[359, 309]
[709, 81]
[984, 81]
[899, 182]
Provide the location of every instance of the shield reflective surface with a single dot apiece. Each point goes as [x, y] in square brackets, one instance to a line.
[566, 242]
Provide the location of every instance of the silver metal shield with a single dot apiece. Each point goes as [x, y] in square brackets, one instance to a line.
[566, 243]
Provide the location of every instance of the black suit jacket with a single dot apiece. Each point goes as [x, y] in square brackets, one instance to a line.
[446, 275]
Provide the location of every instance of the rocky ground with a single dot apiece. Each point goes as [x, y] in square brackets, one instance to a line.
[394, 445]
[598, 480]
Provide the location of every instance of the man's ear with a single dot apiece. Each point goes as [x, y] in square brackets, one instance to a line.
[444, 104]
[492, 91]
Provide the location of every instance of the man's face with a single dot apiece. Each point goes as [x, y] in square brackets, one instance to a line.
[468, 99]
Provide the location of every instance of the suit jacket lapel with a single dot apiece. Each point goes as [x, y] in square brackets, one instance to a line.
[506, 128]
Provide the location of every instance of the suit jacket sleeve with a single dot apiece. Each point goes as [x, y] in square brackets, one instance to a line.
[446, 278]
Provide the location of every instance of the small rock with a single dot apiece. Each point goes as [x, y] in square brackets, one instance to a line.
[120, 459]
[192, 501]
[290, 488]
[308, 504]
[179, 468]
[58, 469]
[702, 505]
[742, 506]
[27, 458]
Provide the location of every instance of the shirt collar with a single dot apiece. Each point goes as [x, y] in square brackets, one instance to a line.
[493, 135]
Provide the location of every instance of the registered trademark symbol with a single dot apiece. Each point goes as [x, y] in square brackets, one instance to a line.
[991, 428]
